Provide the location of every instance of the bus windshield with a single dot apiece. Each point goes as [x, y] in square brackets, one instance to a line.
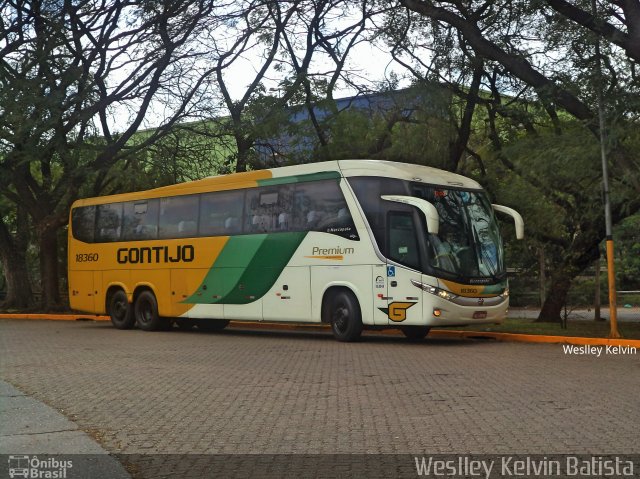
[468, 246]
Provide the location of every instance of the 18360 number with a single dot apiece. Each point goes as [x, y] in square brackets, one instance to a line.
[86, 257]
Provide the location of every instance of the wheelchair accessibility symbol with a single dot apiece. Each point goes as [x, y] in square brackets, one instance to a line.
[391, 271]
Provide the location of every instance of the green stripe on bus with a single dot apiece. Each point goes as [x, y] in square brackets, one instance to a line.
[247, 268]
[325, 175]
[265, 267]
[227, 269]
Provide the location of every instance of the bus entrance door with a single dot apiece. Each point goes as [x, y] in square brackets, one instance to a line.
[405, 307]
[403, 299]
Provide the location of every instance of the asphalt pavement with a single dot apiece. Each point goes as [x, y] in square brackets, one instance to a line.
[183, 404]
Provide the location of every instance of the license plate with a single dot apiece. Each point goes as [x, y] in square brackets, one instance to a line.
[479, 315]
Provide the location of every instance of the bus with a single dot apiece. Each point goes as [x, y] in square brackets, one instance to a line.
[352, 243]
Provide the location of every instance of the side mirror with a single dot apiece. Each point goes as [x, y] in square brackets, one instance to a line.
[430, 212]
[517, 218]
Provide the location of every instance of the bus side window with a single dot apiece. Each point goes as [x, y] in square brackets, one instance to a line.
[320, 206]
[268, 209]
[140, 220]
[221, 213]
[368, 191]
[108, 222]
[83, 222]
[178, 217]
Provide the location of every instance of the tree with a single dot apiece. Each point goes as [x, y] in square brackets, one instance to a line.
[620, 26]
[545, 52]
[458, 68]
[76, 81]
[287, 42]
[14, 241]
[410, 125]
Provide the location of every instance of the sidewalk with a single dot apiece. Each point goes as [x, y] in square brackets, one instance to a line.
[31, 428]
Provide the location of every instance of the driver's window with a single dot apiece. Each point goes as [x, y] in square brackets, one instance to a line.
[403, 242]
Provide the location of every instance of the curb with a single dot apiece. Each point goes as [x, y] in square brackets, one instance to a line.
[435, 333]
[56, 317]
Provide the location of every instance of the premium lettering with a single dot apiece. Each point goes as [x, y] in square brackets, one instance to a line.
[326, 251]
[156, 254]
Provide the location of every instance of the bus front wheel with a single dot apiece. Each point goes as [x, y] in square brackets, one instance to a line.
[120, 310]
[146, 312]
[344, 316]
[415, 332]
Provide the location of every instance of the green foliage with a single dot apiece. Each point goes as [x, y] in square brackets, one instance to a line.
[188, 152]
[414, 128]
[554, 180]
[627, 245]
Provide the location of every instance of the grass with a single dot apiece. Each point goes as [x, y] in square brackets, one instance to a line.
[583, 328]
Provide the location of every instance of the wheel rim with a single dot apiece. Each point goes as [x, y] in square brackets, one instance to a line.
[145, 313]
[119, 310]
[340, 317]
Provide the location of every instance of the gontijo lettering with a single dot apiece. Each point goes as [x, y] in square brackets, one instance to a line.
[156, 254]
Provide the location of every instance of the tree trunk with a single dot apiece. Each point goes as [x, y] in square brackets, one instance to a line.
[457, 146]
[598, 303]
[13, 256]
[244, 151]
[553, 304]
[581, 254]
[19, 293]
[543, 275]
[48, 243]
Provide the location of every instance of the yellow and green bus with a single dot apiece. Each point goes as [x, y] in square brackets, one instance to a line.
[352, 243]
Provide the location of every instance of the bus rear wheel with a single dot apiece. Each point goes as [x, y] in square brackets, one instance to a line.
[344, 316]
[120, 311]
[415, 332]
[146, 312]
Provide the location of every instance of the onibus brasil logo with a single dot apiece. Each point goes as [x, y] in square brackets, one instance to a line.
[32, 467]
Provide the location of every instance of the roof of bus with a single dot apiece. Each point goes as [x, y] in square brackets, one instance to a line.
[250, 179]
[405, 171]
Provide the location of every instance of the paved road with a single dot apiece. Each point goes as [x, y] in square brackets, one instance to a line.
[278, 392]
[30, 429]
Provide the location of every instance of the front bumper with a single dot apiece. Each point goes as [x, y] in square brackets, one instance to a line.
[452, 314]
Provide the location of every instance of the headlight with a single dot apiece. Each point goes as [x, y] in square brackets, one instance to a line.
[433, 290]
[444, 294]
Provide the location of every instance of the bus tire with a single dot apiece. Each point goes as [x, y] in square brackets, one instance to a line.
[415, 332]
[120, 311]
[146, 312]
[345, 316]
[212, 324]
